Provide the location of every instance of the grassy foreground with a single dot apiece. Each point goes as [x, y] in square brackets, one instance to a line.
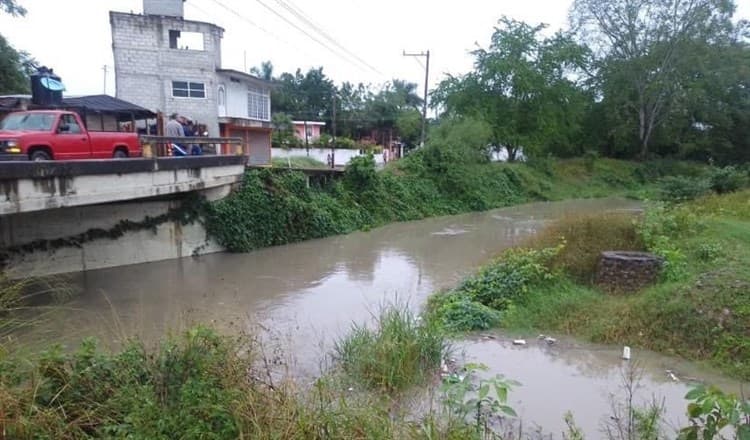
[202, 385]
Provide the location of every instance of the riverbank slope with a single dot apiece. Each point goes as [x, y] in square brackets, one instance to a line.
[275, 207]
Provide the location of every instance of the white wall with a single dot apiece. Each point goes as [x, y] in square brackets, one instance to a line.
[342, 156]
[236, 98]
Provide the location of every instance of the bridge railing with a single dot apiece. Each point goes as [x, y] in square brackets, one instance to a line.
[163, 146]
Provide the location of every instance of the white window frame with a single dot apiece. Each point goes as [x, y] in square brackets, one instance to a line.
[258, 103]
[189, 89]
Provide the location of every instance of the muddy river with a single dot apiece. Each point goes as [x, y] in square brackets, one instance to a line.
[304, 295]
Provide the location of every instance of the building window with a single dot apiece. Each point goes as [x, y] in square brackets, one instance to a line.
[258, 104]
[185, 40]
[184, 89]
[222, 96]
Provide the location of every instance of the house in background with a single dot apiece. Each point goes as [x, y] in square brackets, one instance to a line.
[244, 109]
[309, 130]
[168, 64]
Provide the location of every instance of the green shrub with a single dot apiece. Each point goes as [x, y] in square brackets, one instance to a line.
[656, 169]
[360, 173]
[679, 188]
[456, 312]
[589, 159]
[509, 278]
[727, 179]
[399, 352]
[709, 251]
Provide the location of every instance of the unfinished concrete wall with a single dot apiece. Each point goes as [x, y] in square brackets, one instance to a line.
[146, 64]
[54, 229]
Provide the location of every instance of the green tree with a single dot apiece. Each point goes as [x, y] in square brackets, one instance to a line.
[524, 87]
[14, 69]
[264, 71]
[642, 47]
[283, 131]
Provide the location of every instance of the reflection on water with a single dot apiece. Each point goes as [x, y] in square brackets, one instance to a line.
[308, 293]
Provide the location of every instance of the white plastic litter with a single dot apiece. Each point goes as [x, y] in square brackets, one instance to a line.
[626, 353]
[519, 342]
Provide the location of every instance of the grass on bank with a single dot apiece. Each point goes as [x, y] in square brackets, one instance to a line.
[297, 162]
[399, 352]
[699, 310]
[208, 386]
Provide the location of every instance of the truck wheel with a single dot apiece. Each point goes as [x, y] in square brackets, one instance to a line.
[39, 155]
[120, 154]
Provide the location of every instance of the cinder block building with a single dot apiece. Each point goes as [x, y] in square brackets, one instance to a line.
[168, 64]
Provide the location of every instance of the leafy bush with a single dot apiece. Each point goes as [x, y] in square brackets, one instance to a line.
[709, 251]
[400, 352]
[589, 159]
[656, 169]
[659, 229]
[510, 277]
[360, 173]
[711, 411]
[728, 179]
[458, 313]
[679, 188]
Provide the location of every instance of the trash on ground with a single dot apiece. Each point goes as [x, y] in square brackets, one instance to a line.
[519, 342]
[626, 353]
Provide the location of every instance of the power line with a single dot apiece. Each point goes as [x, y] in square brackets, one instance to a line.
[302, 16]
[252, 23]
[294, 25]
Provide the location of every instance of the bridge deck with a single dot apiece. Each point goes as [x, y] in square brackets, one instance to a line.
[35, 186]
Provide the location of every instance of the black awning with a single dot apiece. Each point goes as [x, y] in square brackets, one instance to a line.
[104, 104]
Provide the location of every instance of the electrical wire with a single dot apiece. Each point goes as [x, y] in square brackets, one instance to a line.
[302, 16]
[252, 23]
[297, 27]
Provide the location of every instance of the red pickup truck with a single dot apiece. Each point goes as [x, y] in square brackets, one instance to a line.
[60, 135]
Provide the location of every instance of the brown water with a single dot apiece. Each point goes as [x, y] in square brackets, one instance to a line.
[305, 294]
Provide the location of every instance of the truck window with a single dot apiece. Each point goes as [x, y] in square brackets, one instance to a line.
[28, 122]
[70, 122]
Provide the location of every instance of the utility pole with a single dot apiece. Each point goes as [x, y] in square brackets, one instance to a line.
[307, 141]
[426, 86]
[333, 129]
[105, 78]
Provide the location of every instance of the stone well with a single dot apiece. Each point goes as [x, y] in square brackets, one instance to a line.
[625, 271]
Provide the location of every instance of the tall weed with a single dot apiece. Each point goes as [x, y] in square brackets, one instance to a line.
[399, 352]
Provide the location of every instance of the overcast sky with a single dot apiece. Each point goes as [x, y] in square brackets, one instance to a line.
[73, 36]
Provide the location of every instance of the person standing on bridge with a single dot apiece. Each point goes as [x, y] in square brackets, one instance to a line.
[174, 129]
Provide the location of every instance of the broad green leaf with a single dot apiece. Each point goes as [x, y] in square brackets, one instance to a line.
[484, 390]
[508, 410]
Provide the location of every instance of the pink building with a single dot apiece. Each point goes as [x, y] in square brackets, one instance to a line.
[313, 130]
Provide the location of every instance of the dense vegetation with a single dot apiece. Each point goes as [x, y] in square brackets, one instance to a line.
[275, 206]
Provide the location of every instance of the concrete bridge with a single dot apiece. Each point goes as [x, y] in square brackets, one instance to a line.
[58, 217]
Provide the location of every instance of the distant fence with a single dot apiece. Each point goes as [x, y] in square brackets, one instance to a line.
[160, 146]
